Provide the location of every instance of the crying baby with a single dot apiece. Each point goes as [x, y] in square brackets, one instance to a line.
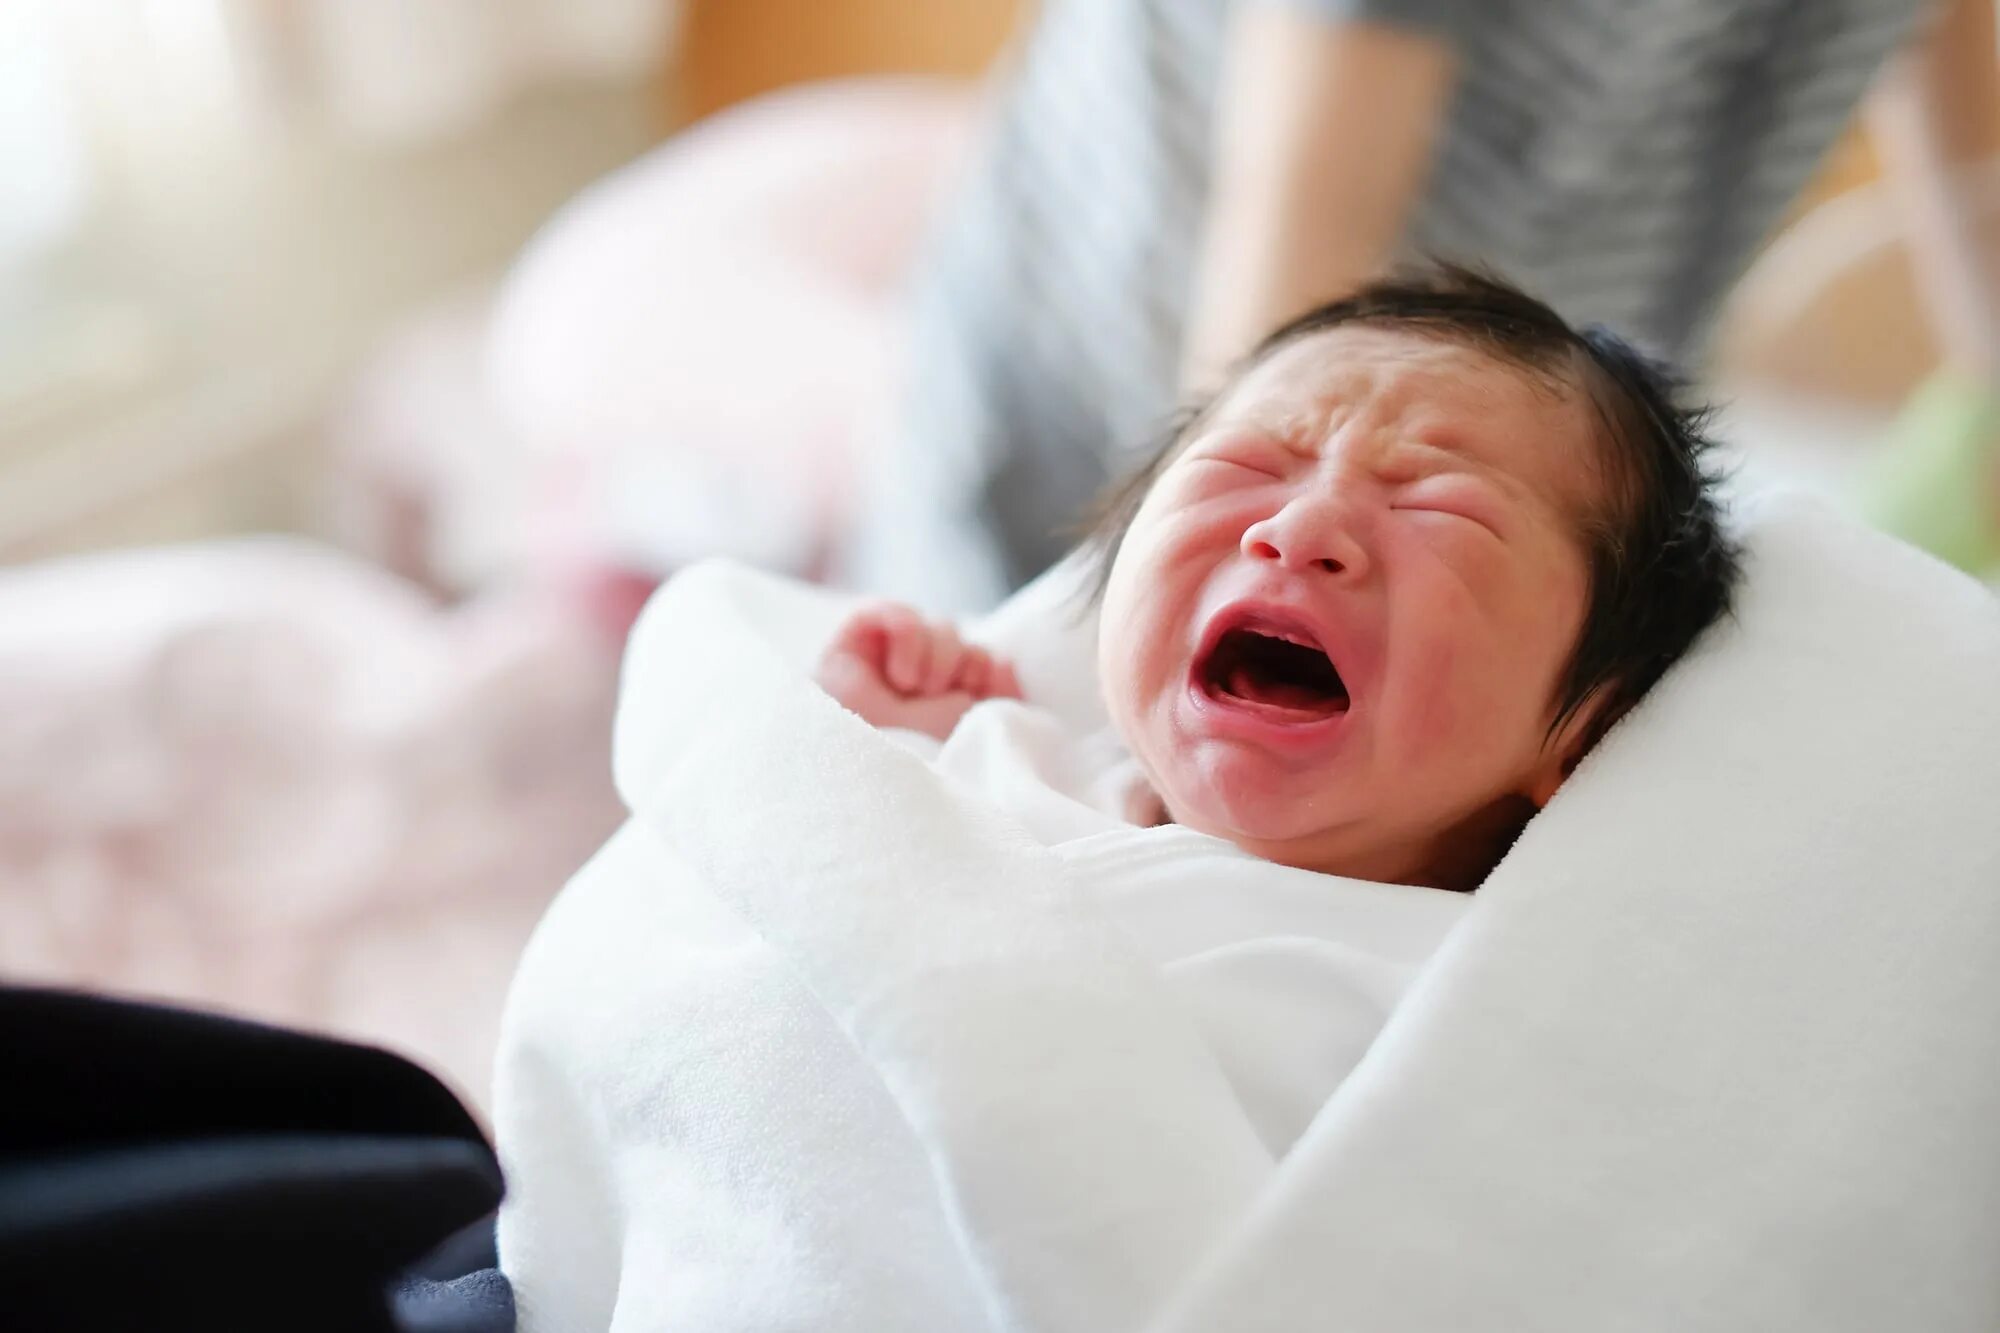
[1368, 606]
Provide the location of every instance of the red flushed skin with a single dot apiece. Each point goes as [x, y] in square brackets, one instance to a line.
[1411, 507]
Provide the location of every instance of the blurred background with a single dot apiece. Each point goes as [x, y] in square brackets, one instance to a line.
[364, 363]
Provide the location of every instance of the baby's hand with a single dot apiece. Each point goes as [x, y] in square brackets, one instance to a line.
[897, 669]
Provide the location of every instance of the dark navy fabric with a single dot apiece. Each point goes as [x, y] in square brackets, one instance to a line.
[163, 1169]
[458, 1288]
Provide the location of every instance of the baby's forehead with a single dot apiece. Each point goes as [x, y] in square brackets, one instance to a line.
[1394, 372]
[1430, 387]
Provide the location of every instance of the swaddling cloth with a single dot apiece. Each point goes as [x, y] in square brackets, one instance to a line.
[1288, 973]
[693, 1139]
[1710, 1050]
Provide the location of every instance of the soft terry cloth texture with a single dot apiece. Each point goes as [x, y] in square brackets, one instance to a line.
[1285, 977]
[1287, 974]
[1713, 1049]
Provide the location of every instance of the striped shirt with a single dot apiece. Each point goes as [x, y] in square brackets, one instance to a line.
[1621, 159]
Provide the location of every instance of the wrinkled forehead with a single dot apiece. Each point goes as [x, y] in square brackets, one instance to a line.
[1534, 425]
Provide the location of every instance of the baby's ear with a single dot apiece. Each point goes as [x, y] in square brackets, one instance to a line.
[1545, 783]
[1573, 740]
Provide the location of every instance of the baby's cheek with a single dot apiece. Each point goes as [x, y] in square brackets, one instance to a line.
[1462, 687]
[1128, 665]
[1431, 682]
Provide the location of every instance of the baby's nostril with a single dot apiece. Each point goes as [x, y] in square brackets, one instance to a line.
[1331, 566]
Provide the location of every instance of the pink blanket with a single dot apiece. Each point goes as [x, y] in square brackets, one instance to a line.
[261, 777]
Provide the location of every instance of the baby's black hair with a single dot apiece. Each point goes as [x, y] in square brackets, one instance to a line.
[1662, 566]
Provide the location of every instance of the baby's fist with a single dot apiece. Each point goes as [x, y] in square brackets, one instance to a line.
[897, 669]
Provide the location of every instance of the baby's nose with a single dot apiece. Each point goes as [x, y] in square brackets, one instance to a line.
[1313, 533]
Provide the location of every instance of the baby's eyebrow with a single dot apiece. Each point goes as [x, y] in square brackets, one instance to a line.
[1291, 424]
[1444, 451]
[1452, 453]
[1296, 432]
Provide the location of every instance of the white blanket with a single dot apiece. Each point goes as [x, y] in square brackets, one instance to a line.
[1713, 1049]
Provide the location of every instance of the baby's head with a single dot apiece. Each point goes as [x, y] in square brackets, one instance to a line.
[1371, 603]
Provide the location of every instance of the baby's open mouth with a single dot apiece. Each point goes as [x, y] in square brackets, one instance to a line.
[1275, 670]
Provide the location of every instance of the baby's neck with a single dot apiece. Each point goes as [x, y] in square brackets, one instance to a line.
[1149, 808]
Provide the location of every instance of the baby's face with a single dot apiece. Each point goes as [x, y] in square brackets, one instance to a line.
[1335, 628]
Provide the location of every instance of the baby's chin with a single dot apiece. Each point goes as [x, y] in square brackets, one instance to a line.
[1299, 853]
[1278, 826]
[1236, 793]
[1282, 815]
[1297, 831]
[1337, 850]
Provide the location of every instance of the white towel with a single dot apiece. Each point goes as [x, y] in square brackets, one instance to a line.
[790, 873]
[1712, 1050]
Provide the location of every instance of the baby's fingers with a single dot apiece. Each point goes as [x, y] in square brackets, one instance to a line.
[854, 682]
[861, 638]
[1002, 683]
[935, 716]
[948, 657]
[975, 665]
[984, 676]
[908, 657]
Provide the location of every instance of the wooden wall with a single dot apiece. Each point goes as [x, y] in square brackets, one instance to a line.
[734, 49]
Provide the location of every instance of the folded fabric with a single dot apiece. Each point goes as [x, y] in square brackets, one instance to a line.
[165, 1169]
[1710, 1050]
[1284, 977]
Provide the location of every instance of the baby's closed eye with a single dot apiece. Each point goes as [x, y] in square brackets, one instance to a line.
[1452, 497]
[1250, 454]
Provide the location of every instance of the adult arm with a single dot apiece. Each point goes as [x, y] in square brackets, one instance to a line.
[1323, 135]
[1936, 116]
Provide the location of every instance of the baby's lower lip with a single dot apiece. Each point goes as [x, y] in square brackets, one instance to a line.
[1271, 724]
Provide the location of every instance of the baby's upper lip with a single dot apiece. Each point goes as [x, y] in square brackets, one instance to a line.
[1278, 620]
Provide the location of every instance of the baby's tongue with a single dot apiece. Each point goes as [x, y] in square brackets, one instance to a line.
[1258, 688]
